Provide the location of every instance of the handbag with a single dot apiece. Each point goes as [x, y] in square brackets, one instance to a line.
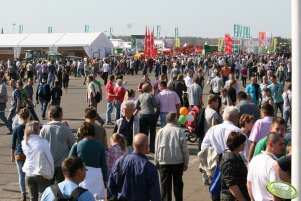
[45, 169]
[216, 186]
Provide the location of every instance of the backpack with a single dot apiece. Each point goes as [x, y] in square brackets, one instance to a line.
[97, 95]
[23, 98]
[199, 123]
[73, 197]
[42, 92]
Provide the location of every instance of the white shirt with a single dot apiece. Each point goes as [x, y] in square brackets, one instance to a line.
[106, 68]
[287, 99]
[188, 81]
[261, 172]
[36, 146]
[217, 136]
[92, 88]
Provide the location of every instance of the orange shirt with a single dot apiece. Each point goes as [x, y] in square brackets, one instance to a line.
[225, 71]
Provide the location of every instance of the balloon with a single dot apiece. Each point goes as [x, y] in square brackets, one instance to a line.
[193, 113]
[182, 119]
[186, 123]
[195, 108]
[189, 117]
[183, 111]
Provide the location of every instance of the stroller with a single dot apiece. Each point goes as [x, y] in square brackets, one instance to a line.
[195, 129]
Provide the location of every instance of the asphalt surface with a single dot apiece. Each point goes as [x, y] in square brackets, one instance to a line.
[73, 105]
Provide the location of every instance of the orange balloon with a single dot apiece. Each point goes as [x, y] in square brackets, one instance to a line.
[183, 111]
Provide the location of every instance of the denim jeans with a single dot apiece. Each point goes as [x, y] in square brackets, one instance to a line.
[276, 106]
[33, 113]
[11, 115]
[21, 177]
[44, 104]
[287, 116]
[109, 111]
[51, 79]
[163, 119]
[117, 106]
[3, 117]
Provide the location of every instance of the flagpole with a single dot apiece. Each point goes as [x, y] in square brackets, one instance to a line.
[296, 80]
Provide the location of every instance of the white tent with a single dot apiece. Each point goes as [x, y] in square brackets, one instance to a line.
[94, 44]
[40, 40]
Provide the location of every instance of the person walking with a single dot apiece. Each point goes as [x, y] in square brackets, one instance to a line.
[146, 104]
[43, 95]
[74, 170]
[172, 158]
[145, 185]
[17, 154]
[3, 100]
[34, 147]
[60, 139]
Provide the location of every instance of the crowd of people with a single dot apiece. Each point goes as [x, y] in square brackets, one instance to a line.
[242, 126]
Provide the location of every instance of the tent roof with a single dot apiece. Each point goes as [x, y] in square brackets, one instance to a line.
[77, 39]
[41, 40]
[11, 40]
[32, 40]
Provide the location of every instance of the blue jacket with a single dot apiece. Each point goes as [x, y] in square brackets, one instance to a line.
[134, 178]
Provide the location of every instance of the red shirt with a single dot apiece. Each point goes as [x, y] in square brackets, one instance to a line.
[110, 89]
[120, 92]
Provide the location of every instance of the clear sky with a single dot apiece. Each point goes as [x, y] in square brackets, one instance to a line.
[205, 18]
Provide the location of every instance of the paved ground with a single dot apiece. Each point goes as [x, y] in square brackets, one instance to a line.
[73, 106]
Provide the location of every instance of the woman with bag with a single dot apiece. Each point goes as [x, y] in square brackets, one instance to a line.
[233, 170]
[17, 154]
[39, 165]
[93, 153]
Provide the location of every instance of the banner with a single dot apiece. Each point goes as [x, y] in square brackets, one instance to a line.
[261, 39]
[228, 44]
[220, 44]
[275, 43]
[178, 42]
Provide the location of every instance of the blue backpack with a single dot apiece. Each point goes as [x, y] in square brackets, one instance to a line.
[42, 92]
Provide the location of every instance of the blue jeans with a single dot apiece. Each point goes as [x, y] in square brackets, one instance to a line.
[44, 104]
[287, 116]
[276, 106]
[21, 177]
[3, 117]
[51, 79]
[109, 111]
[33, 113]
[117, 106]
[163, 119]
[11, 115]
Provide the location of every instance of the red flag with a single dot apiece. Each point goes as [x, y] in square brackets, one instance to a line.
[262, 39]
[145, 41]
[152, 45]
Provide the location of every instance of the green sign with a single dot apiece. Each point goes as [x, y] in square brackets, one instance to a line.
[282, 190]
[49, 29]
[20, 29]
[86, 28]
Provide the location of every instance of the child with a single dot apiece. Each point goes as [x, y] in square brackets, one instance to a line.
[246, 123]
[266, 97]
[117, 149]
[56, 93]
[65, 80]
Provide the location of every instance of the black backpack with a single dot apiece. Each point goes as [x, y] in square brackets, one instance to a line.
[97, 95]
[73, 197]
[199, 124]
